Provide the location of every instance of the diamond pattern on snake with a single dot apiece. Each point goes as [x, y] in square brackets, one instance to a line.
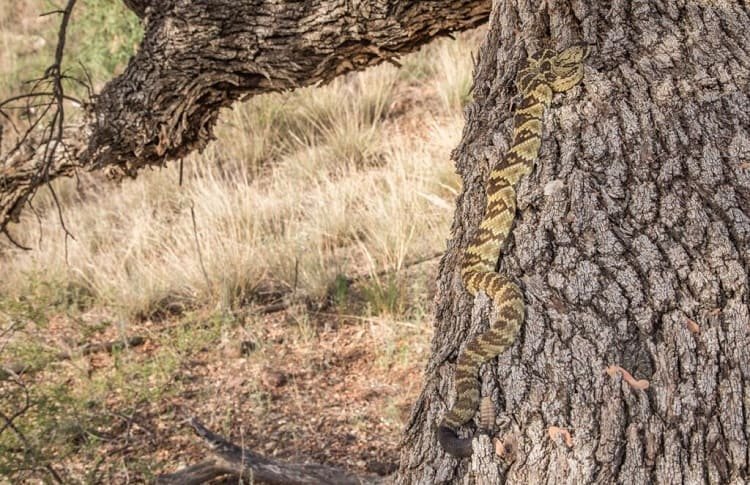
[545, 74]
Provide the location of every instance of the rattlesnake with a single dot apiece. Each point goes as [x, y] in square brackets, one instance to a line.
[545, 74]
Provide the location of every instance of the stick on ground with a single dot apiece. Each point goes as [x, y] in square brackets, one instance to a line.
[234, 461]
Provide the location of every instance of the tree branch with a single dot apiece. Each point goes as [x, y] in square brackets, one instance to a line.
[198, 57]
[40, 153]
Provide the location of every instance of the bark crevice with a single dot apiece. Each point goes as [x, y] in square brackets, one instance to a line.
[630, 243]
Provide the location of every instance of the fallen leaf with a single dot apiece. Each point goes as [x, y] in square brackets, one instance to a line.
[692, 326]
[555, 431]
[641, 384]
[499, 448]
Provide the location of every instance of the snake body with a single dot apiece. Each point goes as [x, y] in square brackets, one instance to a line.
[545, 74]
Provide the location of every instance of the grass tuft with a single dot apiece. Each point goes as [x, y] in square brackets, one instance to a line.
[285, 231]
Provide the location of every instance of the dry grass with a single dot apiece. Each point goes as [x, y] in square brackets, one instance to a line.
[22, 37]
[301, 193]
[325, 183]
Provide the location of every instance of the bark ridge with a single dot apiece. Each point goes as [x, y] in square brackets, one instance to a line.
[631, 245]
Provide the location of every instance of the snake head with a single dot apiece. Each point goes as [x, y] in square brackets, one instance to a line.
[566, 68]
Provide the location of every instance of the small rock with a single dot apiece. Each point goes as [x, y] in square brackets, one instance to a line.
[247, 347]
[273, 378]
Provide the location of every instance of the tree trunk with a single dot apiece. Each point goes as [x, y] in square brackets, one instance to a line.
[200, 56]
[631, 244]
[631, 241]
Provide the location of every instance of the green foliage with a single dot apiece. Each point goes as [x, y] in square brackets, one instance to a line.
[26, 356]
[61, 420]
[76, 414]
[103, 36]
[37, 298]
[387, 296]
[340, 290]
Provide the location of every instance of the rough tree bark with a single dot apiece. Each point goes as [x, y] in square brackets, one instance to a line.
[199, 56]
[632, 239]
[632, 246]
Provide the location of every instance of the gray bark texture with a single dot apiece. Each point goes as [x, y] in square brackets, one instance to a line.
[631, 241]
[631, 244]
[200, 56]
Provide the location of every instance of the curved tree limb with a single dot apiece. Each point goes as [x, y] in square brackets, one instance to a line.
[198, 57]
[237, 462]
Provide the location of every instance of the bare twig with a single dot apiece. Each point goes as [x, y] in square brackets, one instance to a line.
[42, 94]
[28, 449]
[58, 118]
[20, 412]
[13, 241]
[46, 129]
[113, 345]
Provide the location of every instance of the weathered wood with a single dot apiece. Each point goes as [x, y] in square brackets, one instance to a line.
[236, 462]
[635, 223]
[198, 57]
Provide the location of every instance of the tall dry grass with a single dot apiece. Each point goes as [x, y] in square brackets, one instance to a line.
[300, 191]
[298, 188]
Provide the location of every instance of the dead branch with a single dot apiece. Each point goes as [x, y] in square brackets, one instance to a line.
[199, 473]
[109, 347]
[236, 462]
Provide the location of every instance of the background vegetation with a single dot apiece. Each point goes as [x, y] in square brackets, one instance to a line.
[284, 286]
